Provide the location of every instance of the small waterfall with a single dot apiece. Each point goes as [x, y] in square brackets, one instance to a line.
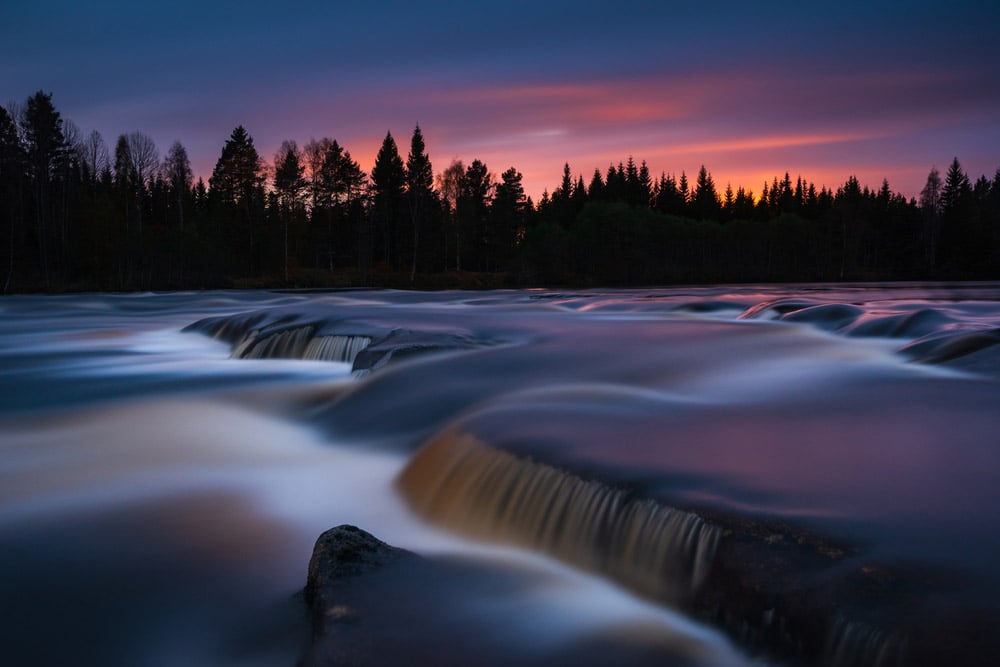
[465, 485]
[853, 643]
[336, 348]
[287, 344]
[300, 343]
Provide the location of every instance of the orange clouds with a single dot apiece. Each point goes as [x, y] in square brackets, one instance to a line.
[574, 103]
[769, 142]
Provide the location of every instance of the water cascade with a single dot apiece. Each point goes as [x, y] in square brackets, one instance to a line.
[854, 643]
[461, 483]
[300, 343]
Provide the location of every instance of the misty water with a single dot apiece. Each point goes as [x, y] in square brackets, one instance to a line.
[168, 460]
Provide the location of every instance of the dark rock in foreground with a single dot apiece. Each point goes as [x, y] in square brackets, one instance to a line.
[374, 604]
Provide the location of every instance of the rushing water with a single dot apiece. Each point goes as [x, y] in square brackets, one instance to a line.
[687, 476]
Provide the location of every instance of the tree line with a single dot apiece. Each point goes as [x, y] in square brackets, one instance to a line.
[77, 214]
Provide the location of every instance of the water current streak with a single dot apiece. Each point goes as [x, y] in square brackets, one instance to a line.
[657, 551]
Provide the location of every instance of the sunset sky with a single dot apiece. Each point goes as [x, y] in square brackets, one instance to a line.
[749, 89]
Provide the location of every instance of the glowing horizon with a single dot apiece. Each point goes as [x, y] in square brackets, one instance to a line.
[748, 92]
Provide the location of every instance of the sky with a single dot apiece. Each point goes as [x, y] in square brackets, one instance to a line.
[750, 90]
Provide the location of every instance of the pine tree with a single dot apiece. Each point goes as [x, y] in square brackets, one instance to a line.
[45, 146]
[961, 233]
[634, 195]
[728, 201]
[508, 214]
[668, 197]
[645, 187]
[956, 189]
[238, 177]
[565, 189]
[595, 191]
[706, 201]
[388, 199]
[473, 206]
[289, 186]
[331, 184]
[236, 188]
[614, 184]
[12, 166]
[419, 190]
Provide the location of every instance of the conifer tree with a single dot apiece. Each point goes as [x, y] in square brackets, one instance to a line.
[728, 201]
[633, 189]
[289, 186]
[508, 213]
[419, 191]
[613, 183]
[595, 191]
[962, 237]
[44, 145]
[956, 189]
[388, 197]
[705, 203]
[335, 185]
[645, 188]
[12, 165]
[472, 209]
[236, 188]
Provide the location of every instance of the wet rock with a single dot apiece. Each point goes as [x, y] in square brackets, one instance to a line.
[806, 600]
[341, 554]
[376, 605]
[347, 566]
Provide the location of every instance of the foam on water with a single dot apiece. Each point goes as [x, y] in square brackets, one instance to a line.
[243, 496]
[169, 494]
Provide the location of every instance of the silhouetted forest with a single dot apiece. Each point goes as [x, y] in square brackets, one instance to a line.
[79, 214]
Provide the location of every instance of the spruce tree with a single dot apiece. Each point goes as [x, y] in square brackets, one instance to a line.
[289, 186]
[44, 144]
[706, 201]
[236, 189]
[508, 214]
[12, 166]
[595, 192]
[956, 189]
[472, 209]
[419, 191]
[388, 199]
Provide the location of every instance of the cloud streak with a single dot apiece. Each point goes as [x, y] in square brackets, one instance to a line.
[746, 90]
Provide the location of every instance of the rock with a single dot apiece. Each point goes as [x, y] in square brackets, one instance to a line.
[376, 605]
[340, 554]
[808, 601]
[347, 565]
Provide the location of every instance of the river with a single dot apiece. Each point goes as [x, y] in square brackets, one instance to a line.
[712, 475]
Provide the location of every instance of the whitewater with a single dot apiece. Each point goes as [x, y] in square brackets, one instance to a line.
[733, 475]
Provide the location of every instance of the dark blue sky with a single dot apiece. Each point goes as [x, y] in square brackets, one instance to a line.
[750, 89]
